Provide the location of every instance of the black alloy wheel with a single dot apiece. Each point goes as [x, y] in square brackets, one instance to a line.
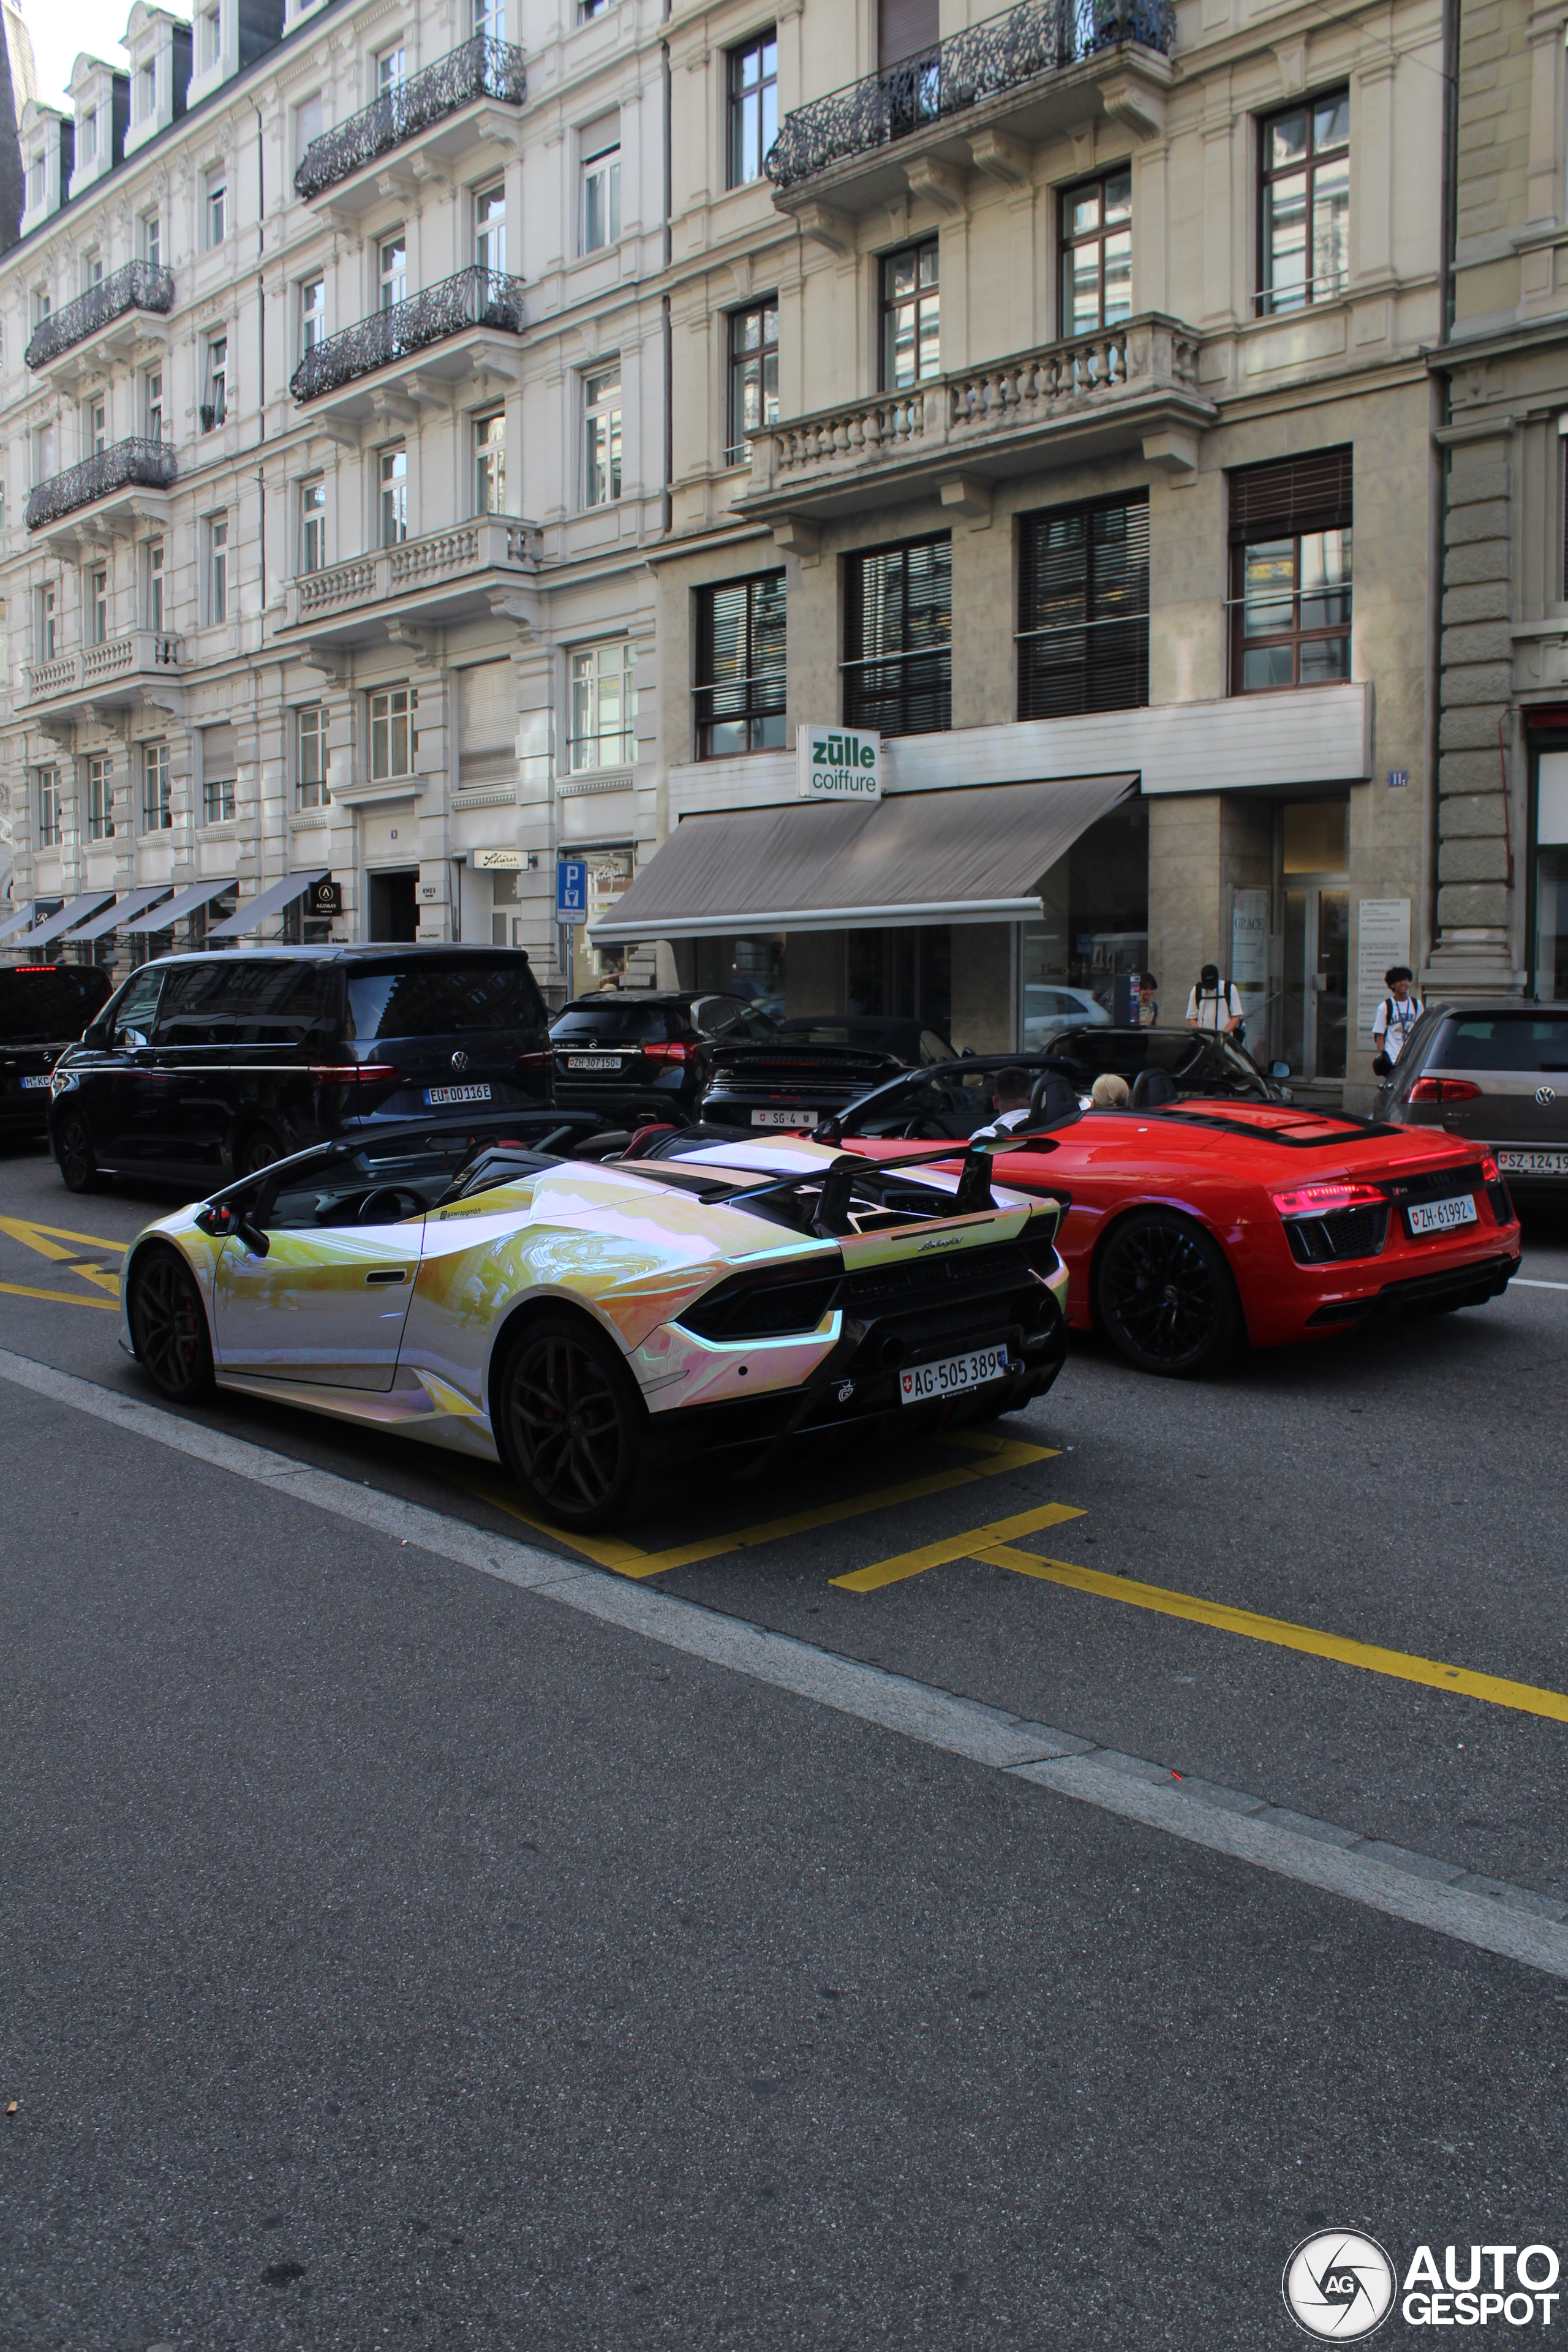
[74, 1151]
[258, 1151]
[571, 1426]
[1164, 1296]
[169, 1326]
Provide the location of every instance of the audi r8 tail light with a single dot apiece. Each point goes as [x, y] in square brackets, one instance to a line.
[1444, 1090]
[1324, 1221]
[1323, 1200]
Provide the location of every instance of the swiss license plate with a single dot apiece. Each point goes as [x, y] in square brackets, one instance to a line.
[1442, 1216]
[593, 1061]
[783, 1119]
[1522, 1163]
[951, 1375]
[36, 1082]
[456, 1094]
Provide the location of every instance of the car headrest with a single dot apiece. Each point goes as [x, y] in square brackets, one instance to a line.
[1052, 1098]
[1151, 1089]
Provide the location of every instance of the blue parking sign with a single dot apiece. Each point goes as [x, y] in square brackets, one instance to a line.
[571, 888]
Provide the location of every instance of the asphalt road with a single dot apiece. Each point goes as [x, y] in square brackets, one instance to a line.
[393, 1957]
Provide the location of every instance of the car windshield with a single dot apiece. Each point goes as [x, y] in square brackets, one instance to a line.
[39, 1008]
[611, 1019]
[1194, 1065]
[431, 999]
[1503, 1041]
[862, 1033]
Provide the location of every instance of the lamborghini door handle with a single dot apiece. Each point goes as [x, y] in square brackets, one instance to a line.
[387, 1274]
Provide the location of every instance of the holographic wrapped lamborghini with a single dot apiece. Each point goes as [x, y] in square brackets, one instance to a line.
[502, 1288]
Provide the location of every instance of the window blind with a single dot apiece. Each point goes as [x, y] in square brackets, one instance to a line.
[1083, 610]
[1292, 495]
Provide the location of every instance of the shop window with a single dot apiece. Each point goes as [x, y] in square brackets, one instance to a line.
[1093, 926]
[741, 666]
[1096, 253]
[754, 106]
[898, 652]
[1083, 609]
[1304, 203]
[1291, 573]
[911, 315]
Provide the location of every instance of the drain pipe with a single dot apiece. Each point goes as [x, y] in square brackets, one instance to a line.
[669, 500]
[1437, 505]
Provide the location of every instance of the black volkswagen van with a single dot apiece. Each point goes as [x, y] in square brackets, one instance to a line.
[204, 1068]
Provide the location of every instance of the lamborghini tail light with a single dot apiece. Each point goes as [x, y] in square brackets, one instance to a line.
[1444, 1090]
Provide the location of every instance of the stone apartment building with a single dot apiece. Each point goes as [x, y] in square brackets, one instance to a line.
[445, 442]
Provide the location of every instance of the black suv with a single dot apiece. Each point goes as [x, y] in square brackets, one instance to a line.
[647, 1057]
[44, 1008]
[207, 1067]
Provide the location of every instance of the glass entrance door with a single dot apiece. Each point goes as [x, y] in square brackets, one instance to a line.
[1317, 979]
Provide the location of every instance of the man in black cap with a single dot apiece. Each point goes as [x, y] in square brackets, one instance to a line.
[1209, 1006]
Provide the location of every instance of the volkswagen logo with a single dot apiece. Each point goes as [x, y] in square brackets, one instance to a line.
[459, 1060]
[1545, 1094]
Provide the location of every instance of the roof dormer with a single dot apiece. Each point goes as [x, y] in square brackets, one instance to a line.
[228, 36]
[160, 48]
[101, 98]
[47, 139]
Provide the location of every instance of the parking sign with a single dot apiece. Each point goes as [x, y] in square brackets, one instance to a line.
[571, 889]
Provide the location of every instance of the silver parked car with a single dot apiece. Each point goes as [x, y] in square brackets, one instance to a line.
[1498, 1072]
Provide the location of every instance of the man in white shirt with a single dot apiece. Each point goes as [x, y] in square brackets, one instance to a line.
[1010, 1091]
[1398, 1014]
[1209, 1006]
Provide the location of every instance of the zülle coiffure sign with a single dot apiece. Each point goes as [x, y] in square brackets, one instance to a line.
[837, 763]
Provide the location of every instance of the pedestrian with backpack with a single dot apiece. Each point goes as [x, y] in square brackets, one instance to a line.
[1209, 1006]
[1395, 1018]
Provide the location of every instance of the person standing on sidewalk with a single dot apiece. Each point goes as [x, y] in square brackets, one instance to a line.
[1396, 1017]
[1209, 1006]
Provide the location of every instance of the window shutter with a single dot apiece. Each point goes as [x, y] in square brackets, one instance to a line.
[1083, 610]
[220, 755]
[1297, 494]
[905, 27]
[486, 726]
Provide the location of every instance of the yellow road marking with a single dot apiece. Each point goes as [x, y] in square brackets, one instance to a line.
[65, 1298]
[998, 1454]
[959, 1546]
[24, 1230]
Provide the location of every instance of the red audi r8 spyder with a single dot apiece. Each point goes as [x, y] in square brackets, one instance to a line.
[1191, 1224]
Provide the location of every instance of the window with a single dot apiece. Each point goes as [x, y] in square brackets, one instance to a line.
[602, 470]
[155, 620]
[147, 92]
[754, 106]
[898, 655]
[153, 240]
[741, 666]
[489, 463]
[49, 808]
[218, 762]
[586, 9]
[392, 268]
[307, 124]
[95, 418]
[310, 749]
[312, 314]
[42, 305]
[489, 24]
[911, 315]
[490, 229]
[1291, 573]
[43, 453]
[391, 70]
[1305, 214]
[602, 184]
[217, 800]
[86, 138]
[46, 634]
[98, 606]
[37, 182]
[313, 524]
[218, 206]
[393, 738]
[1083, 609]
[210, 23]
[603, 707]
[754, 375]
[394, 470]
[157, 814]
[101, 799]
[215, 408]
[218, 568]
[91, 270]
[153, 403]
[1096, 253]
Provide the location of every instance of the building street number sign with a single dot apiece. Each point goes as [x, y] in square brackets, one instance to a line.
[837, 763]
[571, 889]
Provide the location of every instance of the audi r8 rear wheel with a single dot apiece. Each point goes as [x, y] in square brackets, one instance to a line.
[571, 1426]
[168, 1325]
[1164, 1294]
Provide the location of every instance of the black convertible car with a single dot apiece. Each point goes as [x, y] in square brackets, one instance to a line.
[814, 1065]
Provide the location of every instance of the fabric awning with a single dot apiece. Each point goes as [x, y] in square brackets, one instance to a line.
[185, 902]
[14, 922]
[123, 914]
[79, 908]
[270, 902]
[968, 856]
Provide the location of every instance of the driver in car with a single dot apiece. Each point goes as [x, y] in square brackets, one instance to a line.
[1010, 1095]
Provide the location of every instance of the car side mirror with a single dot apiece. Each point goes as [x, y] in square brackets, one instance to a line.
[222, 1221]
[1279, 1069]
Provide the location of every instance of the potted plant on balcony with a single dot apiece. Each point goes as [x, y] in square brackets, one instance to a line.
[208, 416]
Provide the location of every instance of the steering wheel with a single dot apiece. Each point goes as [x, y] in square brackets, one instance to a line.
[385, 1206]
[923, 1130]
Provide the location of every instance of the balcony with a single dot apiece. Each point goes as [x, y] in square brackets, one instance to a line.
[112, 676]
[1130, 387]
[978, 98]
[128, 465]
[473, 299]
[479, 68]
[138, 287]
[462, 573]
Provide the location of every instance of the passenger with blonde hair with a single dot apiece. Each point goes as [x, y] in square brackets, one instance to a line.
[1109, 1092]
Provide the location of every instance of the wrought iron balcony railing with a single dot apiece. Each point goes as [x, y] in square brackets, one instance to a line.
[138, 287]
[149, 463]
[474, 298]
[1039, 36]
[478, 68]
